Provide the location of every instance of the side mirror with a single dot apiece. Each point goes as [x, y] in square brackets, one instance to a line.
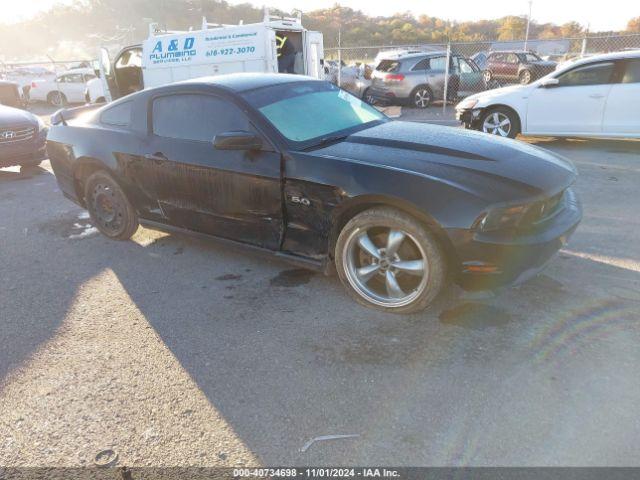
[549, 83]
[239, 140]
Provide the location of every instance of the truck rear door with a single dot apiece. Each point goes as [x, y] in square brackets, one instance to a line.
[313, 54]
[106, 75]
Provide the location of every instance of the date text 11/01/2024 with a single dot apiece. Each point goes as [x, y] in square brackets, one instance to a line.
[315, 473]
[230, 51]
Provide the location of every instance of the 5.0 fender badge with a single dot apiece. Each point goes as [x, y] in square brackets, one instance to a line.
[298, 200]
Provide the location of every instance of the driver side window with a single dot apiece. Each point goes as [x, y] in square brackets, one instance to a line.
[196, 117]
[594, 74]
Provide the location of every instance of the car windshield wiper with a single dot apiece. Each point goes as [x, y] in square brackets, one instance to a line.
[329, 139]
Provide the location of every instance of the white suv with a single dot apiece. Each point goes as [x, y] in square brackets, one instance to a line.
[597, 96]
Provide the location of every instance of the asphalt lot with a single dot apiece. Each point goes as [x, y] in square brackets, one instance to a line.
[174, 351]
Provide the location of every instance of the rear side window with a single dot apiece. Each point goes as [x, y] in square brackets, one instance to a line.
[594, 74]
[632, 72]
[118, 115]
[388, 66]
[196, 117]
[421, 65]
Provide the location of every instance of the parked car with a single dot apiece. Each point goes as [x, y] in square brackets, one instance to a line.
[418, 79]
[22, 138]
[70, 87]
[515, 66]
[12, 95]
[592, 97]
[480, 59]
[255, 159]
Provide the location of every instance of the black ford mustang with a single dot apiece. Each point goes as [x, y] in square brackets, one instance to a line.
[302, 169]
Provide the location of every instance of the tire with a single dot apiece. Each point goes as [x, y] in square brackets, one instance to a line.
[525, 77]
[496, 116]
[368, 98]
[487, 76]
[109, 208]
[57, 99]
[380, 283]
[421, 97]
[101, 100]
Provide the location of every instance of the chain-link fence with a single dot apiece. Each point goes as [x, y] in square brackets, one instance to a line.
[421, 75]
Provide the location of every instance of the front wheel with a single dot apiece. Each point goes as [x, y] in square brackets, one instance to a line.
[109, 208]
[486, 75]
[501, 122]
[389, 261]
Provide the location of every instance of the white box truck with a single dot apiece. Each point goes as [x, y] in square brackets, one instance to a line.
[215, 49]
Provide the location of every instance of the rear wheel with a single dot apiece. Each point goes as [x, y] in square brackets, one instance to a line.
[110, 210]
[502, 122]
[368, 98]
[421, 97]
[525, 77]
[57, 99]
[389, 261]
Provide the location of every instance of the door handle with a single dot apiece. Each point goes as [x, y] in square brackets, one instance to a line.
[157, 157]
[596, 95]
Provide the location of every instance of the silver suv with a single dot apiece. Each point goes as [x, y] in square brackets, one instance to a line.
[417, 79]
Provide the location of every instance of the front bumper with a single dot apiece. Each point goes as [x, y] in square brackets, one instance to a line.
[490, 260]
[470, 117]
[24, 153]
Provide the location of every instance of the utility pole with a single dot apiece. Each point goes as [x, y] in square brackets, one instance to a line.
[526, 35]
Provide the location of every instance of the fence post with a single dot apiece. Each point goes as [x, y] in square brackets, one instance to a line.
[446, 78]
[340, 58]
[584, 47]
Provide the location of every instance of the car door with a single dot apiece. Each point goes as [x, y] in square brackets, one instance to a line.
[235, 194]
[510, 66]
[495, 65]
[470, 78]
[575, 105]
[73, 86]
[622, 110]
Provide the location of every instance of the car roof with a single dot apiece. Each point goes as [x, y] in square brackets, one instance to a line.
[512, 51]
[242, 82]
[603, 57]
[423, 55]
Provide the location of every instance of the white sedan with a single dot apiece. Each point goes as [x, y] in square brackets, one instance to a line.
[70, 87]
[597, 96]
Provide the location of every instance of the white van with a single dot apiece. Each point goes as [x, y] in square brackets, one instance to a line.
[167, 57]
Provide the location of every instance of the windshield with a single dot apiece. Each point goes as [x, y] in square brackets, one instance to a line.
[531, 57]
[306, 113]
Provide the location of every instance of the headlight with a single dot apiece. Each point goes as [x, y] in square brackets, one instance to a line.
[501, 218]
[467, 104]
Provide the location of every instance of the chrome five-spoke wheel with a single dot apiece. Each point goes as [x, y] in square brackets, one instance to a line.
[387, 266]
[497, 123]
[388, 260]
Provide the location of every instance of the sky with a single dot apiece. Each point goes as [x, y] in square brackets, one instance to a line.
[599, 15]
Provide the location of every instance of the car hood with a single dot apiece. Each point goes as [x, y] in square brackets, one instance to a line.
[496, 92]
[10, 116]
[493, 168]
